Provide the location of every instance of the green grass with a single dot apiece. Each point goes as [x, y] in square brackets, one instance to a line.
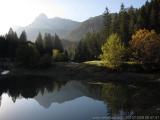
[95, 62]
[128, 66]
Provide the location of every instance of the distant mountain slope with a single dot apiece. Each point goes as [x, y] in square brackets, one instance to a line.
[94, 24]
[45, 25]
[66, 29]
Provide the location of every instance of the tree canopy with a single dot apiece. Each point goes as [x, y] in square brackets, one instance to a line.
[113, 51]
[146, 46]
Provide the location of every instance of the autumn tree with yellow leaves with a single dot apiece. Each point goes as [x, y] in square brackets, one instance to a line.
[145, 45]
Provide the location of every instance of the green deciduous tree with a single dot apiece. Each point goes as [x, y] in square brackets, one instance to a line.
[113, 51]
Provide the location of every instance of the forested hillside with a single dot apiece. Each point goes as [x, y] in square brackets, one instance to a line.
[125, 24]
[130, 35]
[127, 21]
[94, 24]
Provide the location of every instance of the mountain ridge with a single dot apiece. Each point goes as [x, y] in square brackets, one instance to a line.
[65, 28]
[43, 24]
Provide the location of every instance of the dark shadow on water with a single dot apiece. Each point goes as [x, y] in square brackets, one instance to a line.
[27, 86]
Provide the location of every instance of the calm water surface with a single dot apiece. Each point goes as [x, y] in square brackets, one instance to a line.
[30, 99]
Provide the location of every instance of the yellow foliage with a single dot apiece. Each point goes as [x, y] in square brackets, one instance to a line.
[113, 51]
[146, 46]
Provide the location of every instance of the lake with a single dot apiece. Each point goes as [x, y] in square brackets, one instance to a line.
[43, 99]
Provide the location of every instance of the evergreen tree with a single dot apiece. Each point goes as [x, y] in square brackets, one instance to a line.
[153, 18]
[82, 53]
[57, 43]
[132, 20]
[3, 47]
[124, 23]
[114, 28]
[39, 43]
[107, 21]
[11, 43]
[127, 21]
[89, 48]
[23, 37]
[48, 43]
[11, 35]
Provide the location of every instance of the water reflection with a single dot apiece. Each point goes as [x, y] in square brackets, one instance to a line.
[43, 99]
[124, 100]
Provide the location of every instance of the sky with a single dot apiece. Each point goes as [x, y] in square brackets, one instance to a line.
[23, 12]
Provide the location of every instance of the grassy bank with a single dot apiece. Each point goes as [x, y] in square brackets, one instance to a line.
[133, 67]
[87, 71]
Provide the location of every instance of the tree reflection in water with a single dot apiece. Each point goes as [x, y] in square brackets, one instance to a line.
[120, 99]
[131, 100]
[28, 86]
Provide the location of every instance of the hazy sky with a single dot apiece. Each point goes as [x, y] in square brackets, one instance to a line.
[23, 12]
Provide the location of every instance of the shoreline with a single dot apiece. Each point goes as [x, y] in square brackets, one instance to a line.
[85, 72]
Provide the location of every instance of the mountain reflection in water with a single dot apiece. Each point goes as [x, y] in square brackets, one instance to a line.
[32, 98]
